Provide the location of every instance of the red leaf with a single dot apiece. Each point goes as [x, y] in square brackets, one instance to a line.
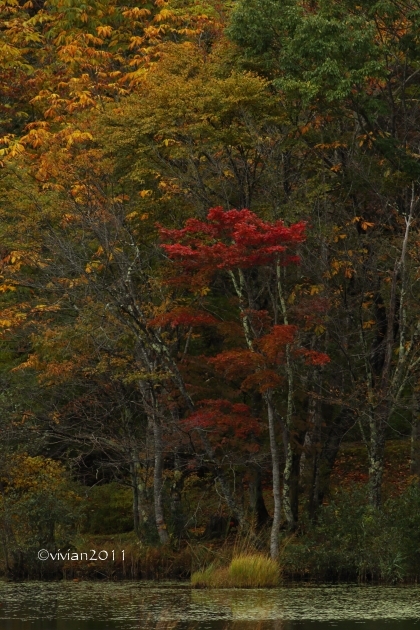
[312, 357]
[183, 316]
[231, 239]
[224, 417]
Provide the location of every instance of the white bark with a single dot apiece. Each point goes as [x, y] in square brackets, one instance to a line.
[275, 460]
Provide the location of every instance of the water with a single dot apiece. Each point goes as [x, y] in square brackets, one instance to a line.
[147, 606]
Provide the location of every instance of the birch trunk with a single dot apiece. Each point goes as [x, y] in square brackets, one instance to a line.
[388, 387]
[287, 475]
[141, 516]
[275, 528]
[289, 463]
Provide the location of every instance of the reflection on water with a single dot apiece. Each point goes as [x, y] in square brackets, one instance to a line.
[15, 624]
[141, 606]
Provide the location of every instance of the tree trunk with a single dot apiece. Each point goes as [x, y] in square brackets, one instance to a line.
[157, 482]
[258, 510]
[287, 426]
[141, 509]
[287, 478]
[275, 459]
[376, 457]
[294, 483]
[177, 516]
[136, 500]
[309, 461]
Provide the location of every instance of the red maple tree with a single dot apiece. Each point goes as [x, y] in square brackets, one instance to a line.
[250, 252]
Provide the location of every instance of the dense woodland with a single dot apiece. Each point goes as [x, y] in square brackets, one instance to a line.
[209, 248]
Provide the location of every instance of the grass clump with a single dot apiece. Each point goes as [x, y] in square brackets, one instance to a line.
[252, 570]
[207, 578]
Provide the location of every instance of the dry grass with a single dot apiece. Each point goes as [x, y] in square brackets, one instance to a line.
[140, 561]
[251, 570]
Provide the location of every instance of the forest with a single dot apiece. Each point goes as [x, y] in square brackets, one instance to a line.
[209, 298]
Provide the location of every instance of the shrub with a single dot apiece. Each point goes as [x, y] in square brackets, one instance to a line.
[108, 509]
[352, 541]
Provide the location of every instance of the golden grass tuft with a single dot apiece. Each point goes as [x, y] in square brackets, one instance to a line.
[251, 570]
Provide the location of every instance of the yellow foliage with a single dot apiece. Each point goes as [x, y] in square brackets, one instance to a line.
[368, 324]
[104, 31]
[136, 13]
[26, 473]
[315, 289]
[164, 14]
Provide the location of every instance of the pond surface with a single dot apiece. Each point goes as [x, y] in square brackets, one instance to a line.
[142, 605]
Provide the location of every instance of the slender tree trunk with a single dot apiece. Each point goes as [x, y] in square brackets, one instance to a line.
[135, 491]
[376, 456]
[380, 416]
[258, 510]
[152, 410]
[294, 483]
[309, 469]
[289, 455]
[275, 460]
[157, 482]
[288, 451]
[176, 504]
[287, 478]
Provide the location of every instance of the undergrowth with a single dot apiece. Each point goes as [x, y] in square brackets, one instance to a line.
[351, 541]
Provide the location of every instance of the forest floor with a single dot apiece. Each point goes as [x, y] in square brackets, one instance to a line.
[348, 542]
[177, 561]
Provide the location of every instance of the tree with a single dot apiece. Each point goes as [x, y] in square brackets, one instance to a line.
[38, 506]
[251, 253]
[218, 137]
[345, 73]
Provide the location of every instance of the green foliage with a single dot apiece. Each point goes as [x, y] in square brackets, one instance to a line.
[322, 53]
[39, 508]
[352, 541]
[205, 142]
[108, 509]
